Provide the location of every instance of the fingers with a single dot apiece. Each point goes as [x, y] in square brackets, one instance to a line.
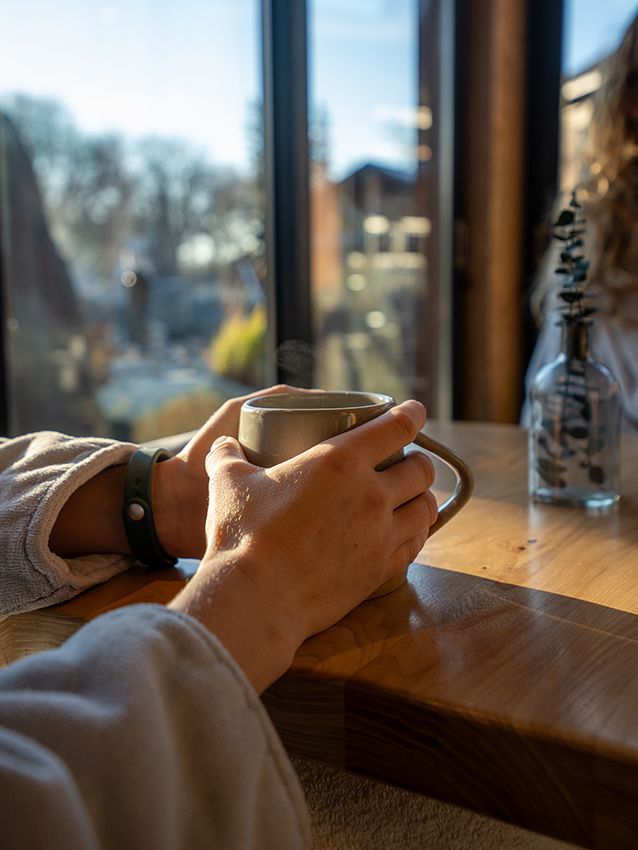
[376, 440]
[407, 553]
[228, 413]
[277, 389]
[225, 420]
[411, 526]
[223, 449]
[409, 478]
[415, 517]
[284, 388]
[228, 490]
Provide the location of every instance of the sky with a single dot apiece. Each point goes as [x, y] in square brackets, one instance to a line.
[593, 29]
[192, 68]
[176, 67]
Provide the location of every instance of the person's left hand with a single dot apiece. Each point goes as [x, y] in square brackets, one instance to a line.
[180, 485]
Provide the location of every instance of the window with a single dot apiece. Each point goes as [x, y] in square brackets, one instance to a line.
[135, 238]
[592, 31]
[378, 115]
[132, 213]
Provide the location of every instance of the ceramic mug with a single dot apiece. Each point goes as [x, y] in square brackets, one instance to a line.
[275, 428]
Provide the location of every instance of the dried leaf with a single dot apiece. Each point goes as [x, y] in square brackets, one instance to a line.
[597, 474]
[565, 217]
[550, 471]
[578, 432]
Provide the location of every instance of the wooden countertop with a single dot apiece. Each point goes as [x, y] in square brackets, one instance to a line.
[502, 677]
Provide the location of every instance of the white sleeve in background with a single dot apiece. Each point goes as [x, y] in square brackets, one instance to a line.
[38, 473]
[141, 732]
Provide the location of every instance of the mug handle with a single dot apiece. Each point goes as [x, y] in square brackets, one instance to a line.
[464, 479]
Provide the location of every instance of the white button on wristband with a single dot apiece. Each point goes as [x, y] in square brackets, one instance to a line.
[137, 510]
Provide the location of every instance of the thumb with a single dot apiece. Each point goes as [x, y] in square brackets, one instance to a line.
[224, 448]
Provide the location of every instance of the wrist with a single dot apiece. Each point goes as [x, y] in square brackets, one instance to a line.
[258, 630]
[179, 508]
[137, 508]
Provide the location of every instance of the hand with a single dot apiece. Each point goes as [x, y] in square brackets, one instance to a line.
[293, 548]
[91, 520]
[180, 485]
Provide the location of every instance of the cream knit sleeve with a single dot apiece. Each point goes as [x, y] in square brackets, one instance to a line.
[142, 733]
[38, 473]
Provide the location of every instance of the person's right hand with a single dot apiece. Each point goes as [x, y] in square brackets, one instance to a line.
[293, 548]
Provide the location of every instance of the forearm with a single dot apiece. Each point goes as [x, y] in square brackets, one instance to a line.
[91, 520]
[132, 734]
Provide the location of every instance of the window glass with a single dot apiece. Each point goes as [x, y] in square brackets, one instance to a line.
[132, 212]
[374, 171]
[592, 31]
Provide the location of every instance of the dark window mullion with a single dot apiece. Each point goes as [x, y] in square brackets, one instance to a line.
[285, 68]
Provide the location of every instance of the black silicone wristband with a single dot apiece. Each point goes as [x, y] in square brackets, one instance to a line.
[137, 510]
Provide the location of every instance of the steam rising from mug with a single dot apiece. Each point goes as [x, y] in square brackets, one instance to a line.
[296, 361]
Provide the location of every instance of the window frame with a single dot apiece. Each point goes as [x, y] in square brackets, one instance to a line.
[287, 186]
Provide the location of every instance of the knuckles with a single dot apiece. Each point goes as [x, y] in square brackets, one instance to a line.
[375, 501]
[353, 478]
[426, 467]
[218, 462]
[403, 426]
[333, 459]
[432, 507]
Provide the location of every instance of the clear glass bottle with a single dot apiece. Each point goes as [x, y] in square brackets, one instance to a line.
[574, 433]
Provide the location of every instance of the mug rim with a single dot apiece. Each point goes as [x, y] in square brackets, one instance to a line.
[261, 402]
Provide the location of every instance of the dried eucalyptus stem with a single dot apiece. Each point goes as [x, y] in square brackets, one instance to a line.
[575, 313]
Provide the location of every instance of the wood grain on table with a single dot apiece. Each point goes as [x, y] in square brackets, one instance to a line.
[502, 677]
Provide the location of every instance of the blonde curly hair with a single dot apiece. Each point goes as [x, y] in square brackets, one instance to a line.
[608, 184]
